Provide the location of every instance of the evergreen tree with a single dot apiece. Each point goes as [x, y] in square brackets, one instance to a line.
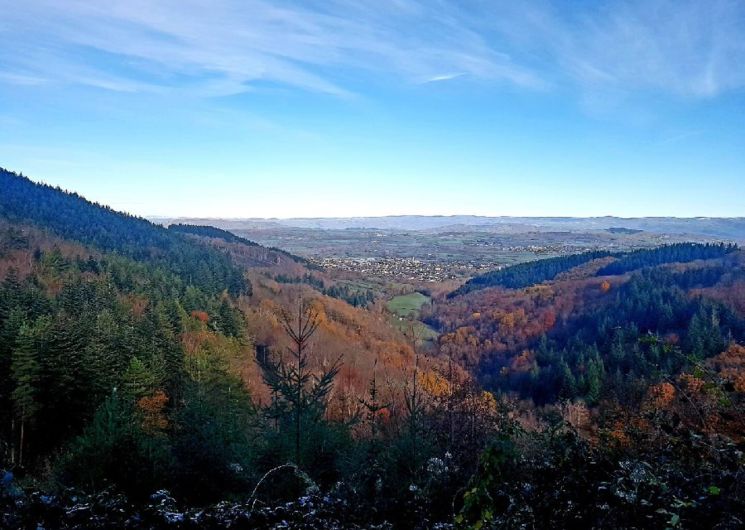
[65, 388]
[568, 382]
[139, 380]
[594, 380]
[25, 369]
[298, 393]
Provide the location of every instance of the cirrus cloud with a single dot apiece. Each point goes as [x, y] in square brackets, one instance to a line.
[686, 48]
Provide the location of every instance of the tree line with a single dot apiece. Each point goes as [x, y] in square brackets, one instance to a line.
[527, 274]
[70, 216]
[534, 272]
[675, 253]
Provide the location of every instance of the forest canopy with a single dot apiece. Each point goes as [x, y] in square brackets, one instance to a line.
[534, 272]
[527, 274]
[70, 216]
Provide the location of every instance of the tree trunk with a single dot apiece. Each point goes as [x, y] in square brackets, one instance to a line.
[13, 441]
[20, 448]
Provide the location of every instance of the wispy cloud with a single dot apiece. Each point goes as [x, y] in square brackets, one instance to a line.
[688, 47]
[225, 46]
[443, 77]
[21, 79]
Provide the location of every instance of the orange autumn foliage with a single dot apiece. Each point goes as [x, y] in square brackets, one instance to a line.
[192, 341]
[434, 384]
[511, 320]
[202, 316]
[383, 415]
[618, 433]
[731, 366]
[523, 362]
[660, 396]
[691, 384]
[704, 400]
[549, 319]
[356, 335]
[152, 409]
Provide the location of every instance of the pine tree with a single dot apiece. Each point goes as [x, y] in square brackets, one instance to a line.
[9, 331]
[298, 393]
[697, 329]
[55, 262]
[25, 371]
[568, 388]
[373, 405]
[66, 388]
[227, 319]
[139, 380]
[594, 380]
[414, 403]
[105, 355]
[10, 294]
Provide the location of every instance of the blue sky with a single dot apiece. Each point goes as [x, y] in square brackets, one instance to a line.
[259, 108]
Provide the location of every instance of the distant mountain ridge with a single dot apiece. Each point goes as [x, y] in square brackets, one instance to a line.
[729, 228]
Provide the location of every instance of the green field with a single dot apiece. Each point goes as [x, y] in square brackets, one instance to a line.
[407, 305]
[421, 331]
[405, 311]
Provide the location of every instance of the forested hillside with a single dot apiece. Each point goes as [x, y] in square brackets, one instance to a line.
[72, 217]
[599, 335]
[648, 329]
[102, 339]
[144, 385]
[210, 231]
[621, 357]
[527, 274]
[678, 253]
[118, 371]
[538, 271]
[114, 376]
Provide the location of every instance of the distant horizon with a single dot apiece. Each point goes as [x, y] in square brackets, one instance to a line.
[115, 205]
[713, 228]
[384, 216]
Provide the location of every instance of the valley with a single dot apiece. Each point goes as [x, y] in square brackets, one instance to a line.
[436, 249]
[164, 372]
